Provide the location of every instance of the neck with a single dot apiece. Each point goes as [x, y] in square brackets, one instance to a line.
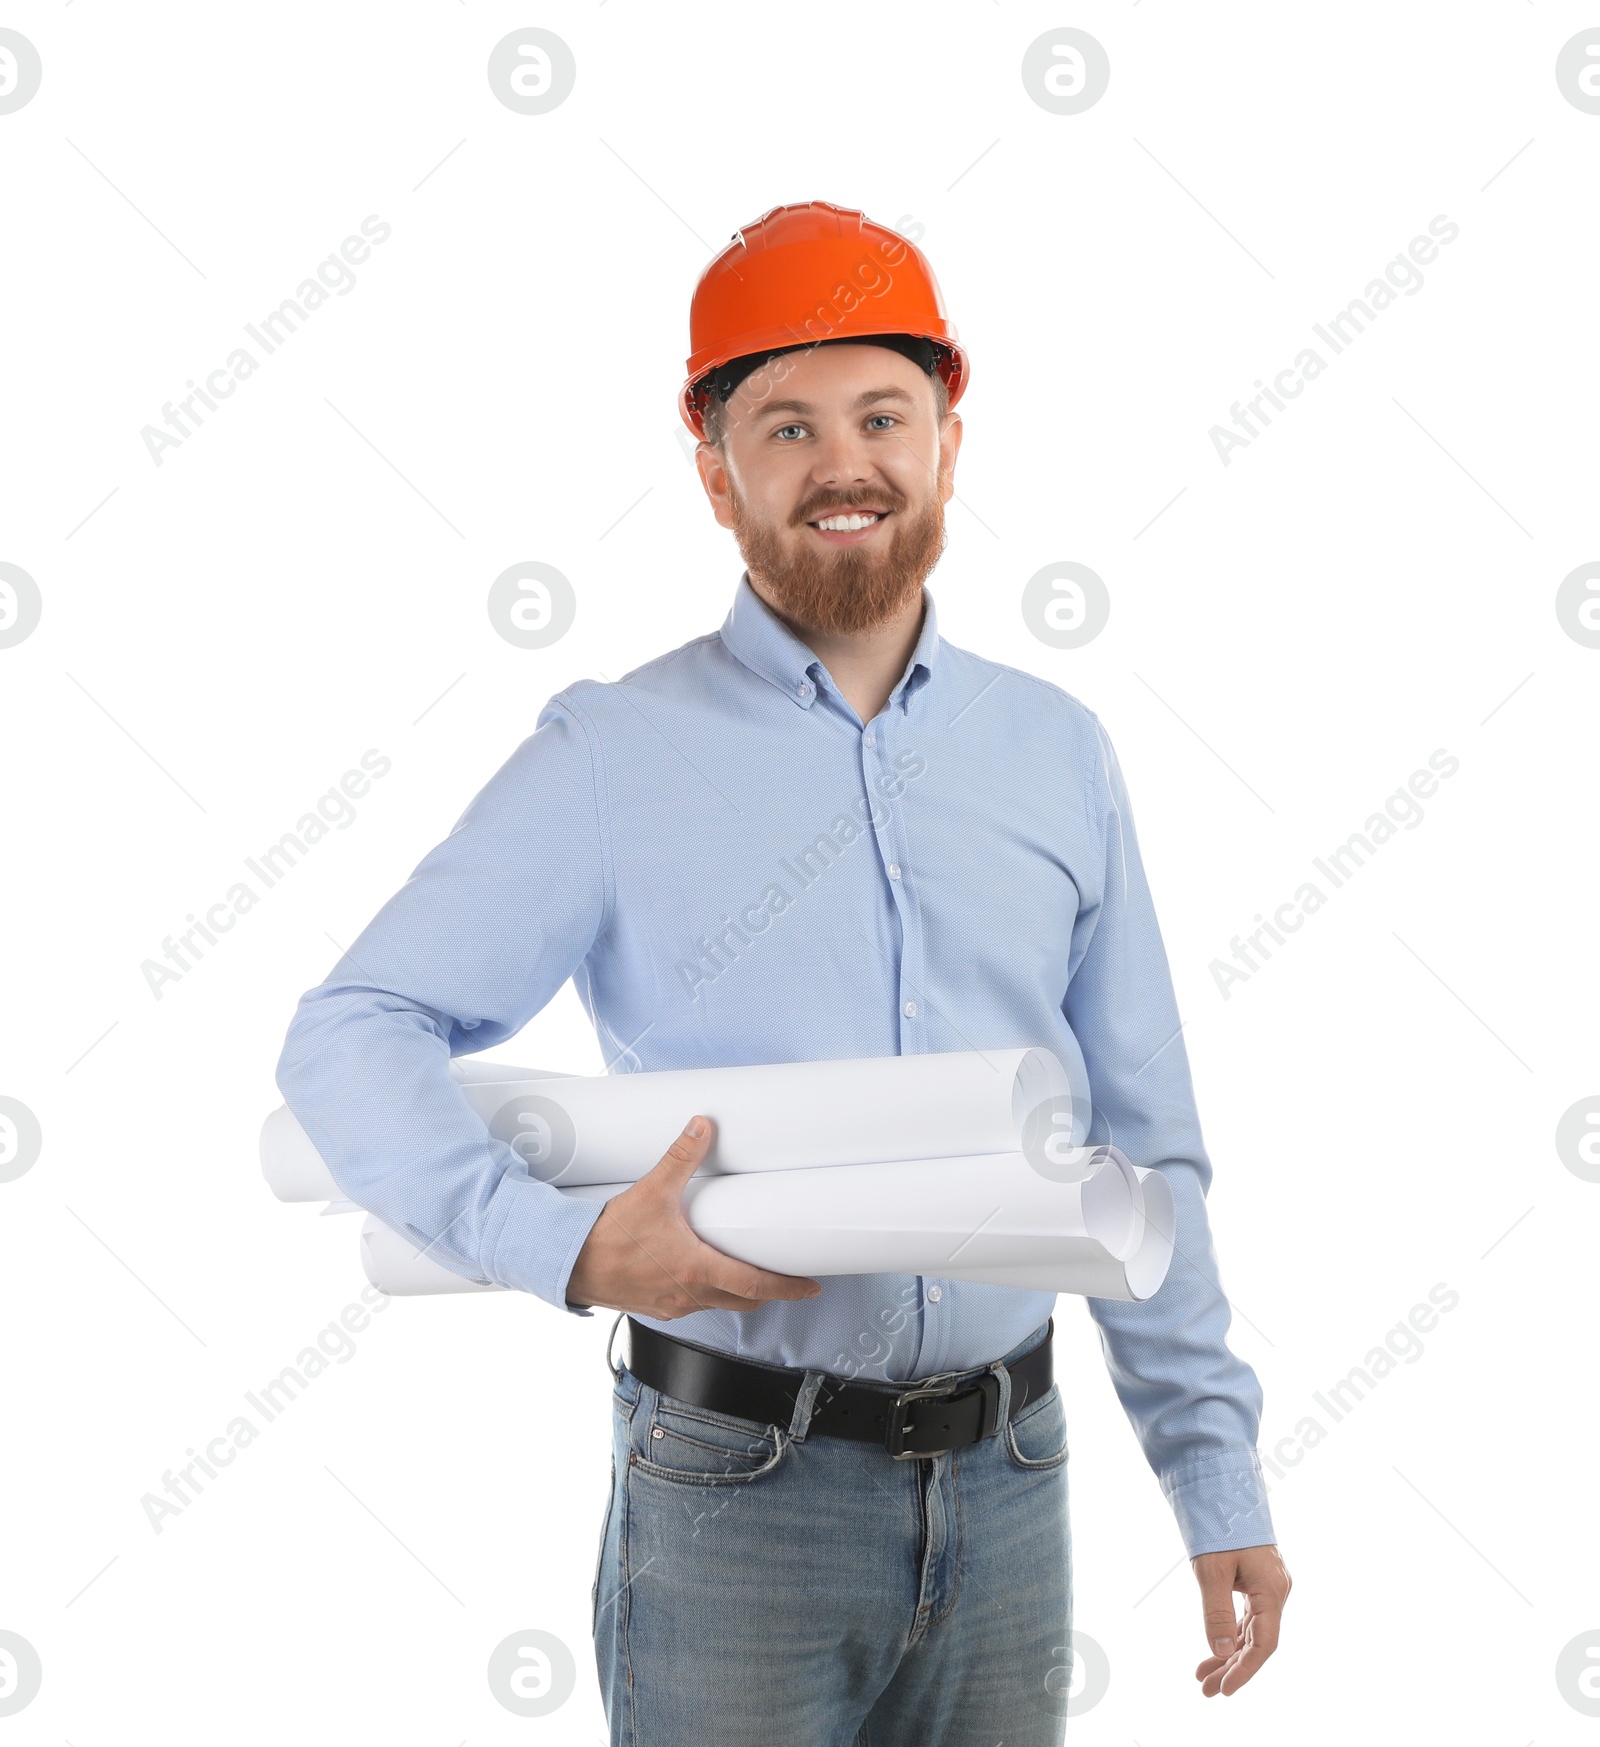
[865, 665]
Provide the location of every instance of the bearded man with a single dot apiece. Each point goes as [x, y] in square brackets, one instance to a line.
[838, 1512]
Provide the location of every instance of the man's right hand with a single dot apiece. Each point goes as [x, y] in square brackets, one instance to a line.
[643, 1256]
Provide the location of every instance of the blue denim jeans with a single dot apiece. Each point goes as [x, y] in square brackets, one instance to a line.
[757, 1586]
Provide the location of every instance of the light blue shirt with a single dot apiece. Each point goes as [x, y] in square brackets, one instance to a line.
[733, 868]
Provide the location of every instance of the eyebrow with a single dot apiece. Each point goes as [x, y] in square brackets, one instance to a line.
[869, 398]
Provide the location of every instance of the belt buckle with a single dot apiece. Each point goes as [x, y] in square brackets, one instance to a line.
[895, 1434]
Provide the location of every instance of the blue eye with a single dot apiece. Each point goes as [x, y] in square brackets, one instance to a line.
[782, 428]
[883, 415]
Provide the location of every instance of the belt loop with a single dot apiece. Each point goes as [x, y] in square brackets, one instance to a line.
[615, 1370]
[1001, 1372]
[805, 1406]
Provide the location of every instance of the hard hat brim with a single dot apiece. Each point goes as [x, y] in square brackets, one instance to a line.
[952, 361]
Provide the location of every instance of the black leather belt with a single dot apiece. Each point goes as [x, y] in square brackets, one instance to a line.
[911, 1420]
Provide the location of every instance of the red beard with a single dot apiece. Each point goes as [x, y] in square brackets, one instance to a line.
[845, 589]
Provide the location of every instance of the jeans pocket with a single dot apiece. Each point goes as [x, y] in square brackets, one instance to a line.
[1037, 1437]
[692, 1446]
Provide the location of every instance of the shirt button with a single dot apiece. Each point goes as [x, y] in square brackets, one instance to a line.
[894, 870]
[910, 1009]
[935, 1293]
[803, 690]
[871, 740]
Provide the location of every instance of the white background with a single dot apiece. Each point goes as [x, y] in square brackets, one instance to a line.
[223, 635]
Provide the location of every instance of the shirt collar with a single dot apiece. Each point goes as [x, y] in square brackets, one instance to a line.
[761, 640]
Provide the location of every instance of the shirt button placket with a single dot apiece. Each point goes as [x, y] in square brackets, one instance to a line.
[886, 845]
[885, 831]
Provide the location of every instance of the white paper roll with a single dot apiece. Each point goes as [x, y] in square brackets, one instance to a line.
[611, 1128]
[992, 1219]
[1087, 1268]
[292, 1166]
[786, 1116]
[394, 1264]
[916, 1216]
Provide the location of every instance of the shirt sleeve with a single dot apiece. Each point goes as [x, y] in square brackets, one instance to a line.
[486, 930]
[1195, 1406]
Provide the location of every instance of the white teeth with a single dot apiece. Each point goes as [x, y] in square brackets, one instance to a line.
[848, 524]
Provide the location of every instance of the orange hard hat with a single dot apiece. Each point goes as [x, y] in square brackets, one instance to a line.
[801, 275]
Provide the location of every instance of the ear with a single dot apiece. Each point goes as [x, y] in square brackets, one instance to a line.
[713, 471]
[949, 448]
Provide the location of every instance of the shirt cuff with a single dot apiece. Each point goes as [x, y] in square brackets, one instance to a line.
[1220, 1501]
[539, 1235]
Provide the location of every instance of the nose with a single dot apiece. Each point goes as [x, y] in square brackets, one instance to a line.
[842, 461]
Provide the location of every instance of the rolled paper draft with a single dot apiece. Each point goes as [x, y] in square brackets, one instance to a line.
[991, 1219]
[577, 1130]
[786, 1116]
[921, 1216]
[396, 1265]
[1086, 1269]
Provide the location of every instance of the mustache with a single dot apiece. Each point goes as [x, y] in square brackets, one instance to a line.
[835, 504]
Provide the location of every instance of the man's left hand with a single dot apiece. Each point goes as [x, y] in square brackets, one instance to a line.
[1239, 1646]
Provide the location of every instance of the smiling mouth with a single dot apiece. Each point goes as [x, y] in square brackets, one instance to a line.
[849, 521]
